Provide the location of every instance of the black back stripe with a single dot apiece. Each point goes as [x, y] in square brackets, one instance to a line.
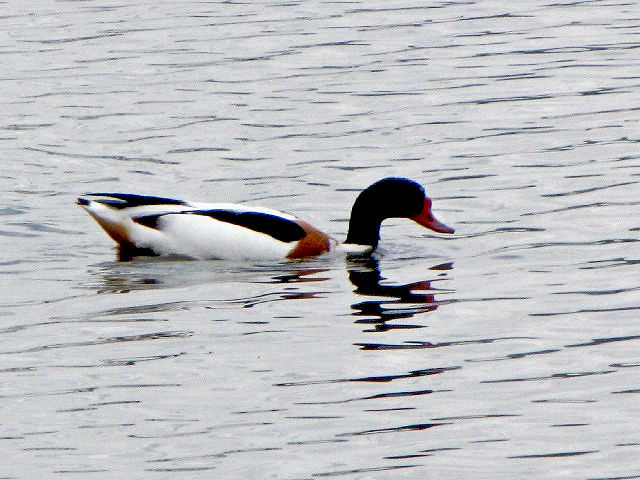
[277, 227]
[150, 221]
[128, 200]
[272, 225]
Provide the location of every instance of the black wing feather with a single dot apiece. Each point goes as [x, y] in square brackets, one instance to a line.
[272, 225]
[128, 200]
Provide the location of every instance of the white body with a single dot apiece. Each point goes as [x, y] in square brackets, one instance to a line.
[195, 236]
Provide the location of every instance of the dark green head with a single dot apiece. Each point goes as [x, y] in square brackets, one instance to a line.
[390, 198]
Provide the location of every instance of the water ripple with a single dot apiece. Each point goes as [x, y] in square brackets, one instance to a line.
[520, 120]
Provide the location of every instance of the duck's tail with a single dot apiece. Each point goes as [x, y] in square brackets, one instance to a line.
[110, 219]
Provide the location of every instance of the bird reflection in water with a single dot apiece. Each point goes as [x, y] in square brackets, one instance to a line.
[394, 302]
[387, 304]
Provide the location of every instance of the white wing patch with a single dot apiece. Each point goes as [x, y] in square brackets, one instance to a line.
[200, 236]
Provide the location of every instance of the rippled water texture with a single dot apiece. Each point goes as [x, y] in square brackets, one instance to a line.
[509, 350]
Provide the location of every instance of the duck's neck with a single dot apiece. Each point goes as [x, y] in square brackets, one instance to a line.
[364, 225]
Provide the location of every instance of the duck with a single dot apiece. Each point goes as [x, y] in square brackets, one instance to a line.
[159, 226]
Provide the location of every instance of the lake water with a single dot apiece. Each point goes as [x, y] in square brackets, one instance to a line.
[509, 350]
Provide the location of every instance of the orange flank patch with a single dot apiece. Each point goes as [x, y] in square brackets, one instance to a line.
[116, 231]
[313, 243]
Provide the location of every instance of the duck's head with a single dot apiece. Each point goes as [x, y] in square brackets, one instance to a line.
[390, 198]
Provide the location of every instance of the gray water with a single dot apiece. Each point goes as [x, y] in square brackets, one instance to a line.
[509, 350]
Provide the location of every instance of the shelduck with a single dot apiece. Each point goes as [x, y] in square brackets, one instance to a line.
[146, 225]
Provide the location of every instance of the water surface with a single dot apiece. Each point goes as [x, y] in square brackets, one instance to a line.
[509, 350]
